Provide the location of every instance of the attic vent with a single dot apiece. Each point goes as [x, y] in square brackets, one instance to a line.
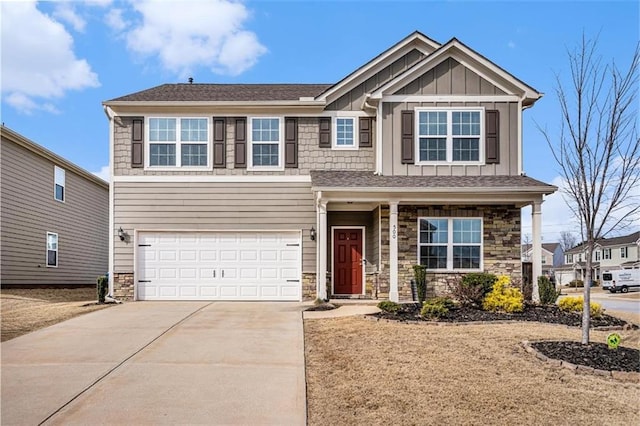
[190, 80]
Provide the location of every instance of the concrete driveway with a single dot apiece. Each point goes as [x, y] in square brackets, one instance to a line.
[160, 363]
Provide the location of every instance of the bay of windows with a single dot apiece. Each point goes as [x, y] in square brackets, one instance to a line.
[450, 243]
[448, 135]
[178, 142]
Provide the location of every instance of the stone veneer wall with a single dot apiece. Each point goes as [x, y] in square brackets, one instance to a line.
[123, 286]
[501, 244]
[310, 156]
[308, 286]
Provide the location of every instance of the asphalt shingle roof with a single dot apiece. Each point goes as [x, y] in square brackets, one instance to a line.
[224, 92]
[609, 242]
[359, 179]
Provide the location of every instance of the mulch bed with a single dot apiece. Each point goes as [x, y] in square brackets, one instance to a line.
[595, 355]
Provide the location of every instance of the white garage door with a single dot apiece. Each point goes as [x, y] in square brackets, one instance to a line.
[219, 266]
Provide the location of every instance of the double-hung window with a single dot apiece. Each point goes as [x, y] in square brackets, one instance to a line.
[345, 133]
[59, 183]
[450, 244]
[606, 254]
[266, 139]
[52, 249]
[597, 255]
[449, 135]
[624, 252]
[178, 142]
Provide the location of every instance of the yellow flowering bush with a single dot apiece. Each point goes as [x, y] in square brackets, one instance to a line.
[574, 304]
[503, 297]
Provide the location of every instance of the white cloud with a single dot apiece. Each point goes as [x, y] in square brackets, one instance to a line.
[115, 20]
[186, 35]
[104, 173]
[38, 62]
[66, 12]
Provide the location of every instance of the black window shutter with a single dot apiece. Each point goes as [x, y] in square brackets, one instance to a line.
[240, 147]
[407, 139]
[324, 132]
[137, 142]
[365, 132]
[219, 142]
[291, 143]
[492, 141]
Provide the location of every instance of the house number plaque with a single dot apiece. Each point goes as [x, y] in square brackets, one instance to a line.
[394, 231]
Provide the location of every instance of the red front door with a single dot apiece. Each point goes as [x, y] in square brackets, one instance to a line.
[347, 261]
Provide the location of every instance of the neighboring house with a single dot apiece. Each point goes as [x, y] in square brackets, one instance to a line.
[552, 256]
[298, 191]
[609, 254]
[54, 215]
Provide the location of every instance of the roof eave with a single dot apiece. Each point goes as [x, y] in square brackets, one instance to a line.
[248, 104]
[541, 190]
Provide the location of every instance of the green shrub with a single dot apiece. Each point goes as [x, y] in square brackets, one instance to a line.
[503, 297]
[420, 275]
[102, 288]
[547, 290]
[389, 306]
[574, 304]
[472, 288]
[436, 307]
[576, 283]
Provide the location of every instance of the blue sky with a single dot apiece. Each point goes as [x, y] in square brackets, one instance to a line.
[60, 60]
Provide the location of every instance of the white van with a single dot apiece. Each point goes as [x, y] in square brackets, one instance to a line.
[621, 280]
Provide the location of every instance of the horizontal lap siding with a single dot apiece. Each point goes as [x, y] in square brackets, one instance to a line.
[213, 207]
[28, 212]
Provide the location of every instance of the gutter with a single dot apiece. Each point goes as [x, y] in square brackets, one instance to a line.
[111, 115]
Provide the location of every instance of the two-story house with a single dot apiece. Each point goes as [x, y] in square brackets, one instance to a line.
[54, 215]
[609, 254]
[298, 191]
[551, 256]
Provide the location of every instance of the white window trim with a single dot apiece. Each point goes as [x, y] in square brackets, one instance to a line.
[449, 137]
[280, 166]
[624, 252]
[334, 135]
[63, 184]
[606, 254]
[449, 268]
[178, 143]
[46, 252]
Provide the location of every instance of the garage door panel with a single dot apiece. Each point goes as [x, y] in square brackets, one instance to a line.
[219, 266]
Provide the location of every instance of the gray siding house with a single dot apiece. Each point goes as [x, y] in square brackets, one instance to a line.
[298, 191]
[54, 218]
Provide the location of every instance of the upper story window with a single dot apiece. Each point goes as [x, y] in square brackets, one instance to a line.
[178, 142]
[597, 255]
[52, 249]
[346, 131]
[606, 253]
[624, 252]
[449, 136]
[59, 183]
[265, 143]
[568, 258]
[450, 243]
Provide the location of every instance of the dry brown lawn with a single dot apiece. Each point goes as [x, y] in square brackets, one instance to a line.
[26, 310]
[370, 373]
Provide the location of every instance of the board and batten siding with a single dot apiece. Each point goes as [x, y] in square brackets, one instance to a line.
[209, 206]
[29, 211]
[392, 135]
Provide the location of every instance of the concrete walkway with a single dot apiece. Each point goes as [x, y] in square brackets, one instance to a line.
[160, 363]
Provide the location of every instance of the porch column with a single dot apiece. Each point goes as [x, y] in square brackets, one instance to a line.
[393, 252]
[321, 279]
[536, 256]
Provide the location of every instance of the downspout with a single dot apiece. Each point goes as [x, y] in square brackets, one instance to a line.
[366, 105]
[520, 145]
[110, 115]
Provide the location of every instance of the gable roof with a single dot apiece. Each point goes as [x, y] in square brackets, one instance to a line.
[633, 238]
[414, 40]
[470, 59]
[550, 247]
[18, 139]
[198, 92]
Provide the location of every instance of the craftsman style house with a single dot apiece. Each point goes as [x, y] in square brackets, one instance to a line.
[298, 191]
[54, 215]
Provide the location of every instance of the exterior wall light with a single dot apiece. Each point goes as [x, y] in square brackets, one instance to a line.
[312, 233]
[121, 234]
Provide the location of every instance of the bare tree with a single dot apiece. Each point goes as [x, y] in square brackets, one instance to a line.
[598, 150]
[568, 240]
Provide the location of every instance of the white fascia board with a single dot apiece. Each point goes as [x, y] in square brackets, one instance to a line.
[450, 98]
[213, 179]
[448, 190]
[395, 52]
[238, 104]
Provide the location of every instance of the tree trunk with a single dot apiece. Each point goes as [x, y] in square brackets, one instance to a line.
[586, 306]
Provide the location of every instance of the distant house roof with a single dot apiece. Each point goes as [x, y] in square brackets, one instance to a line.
[197, 92]
[17, 138]
[550, 247]
[610, 242]
[337, 179]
